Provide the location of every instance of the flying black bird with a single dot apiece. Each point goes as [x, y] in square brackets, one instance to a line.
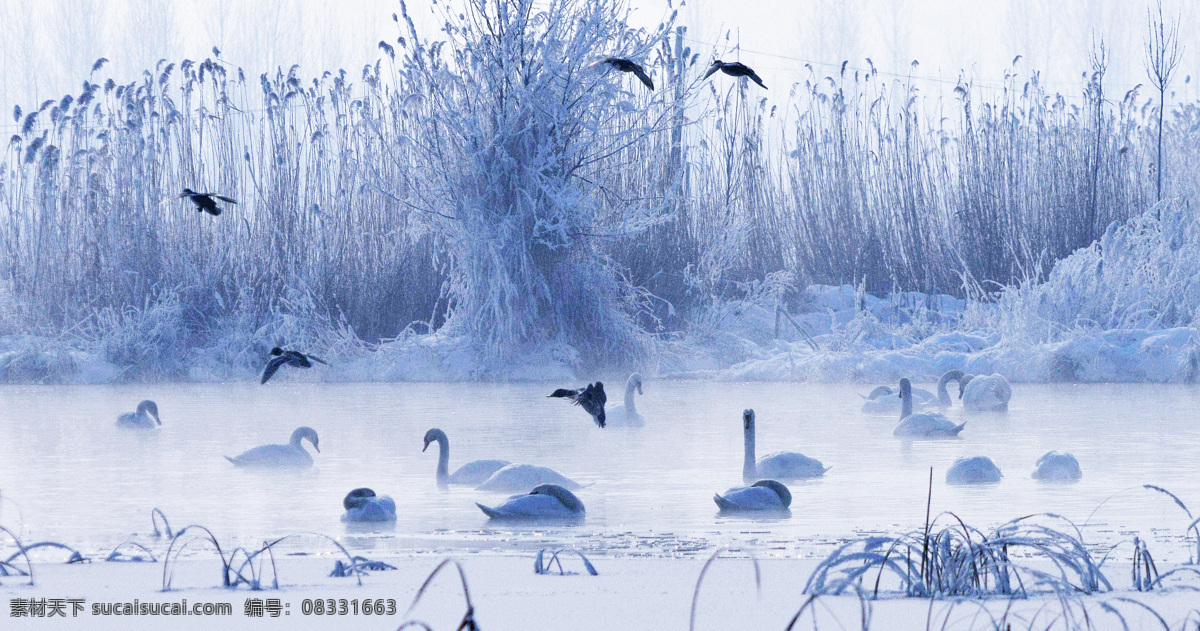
[591, 398]
[625, 65]
[291, 358]
[735, 69]
[204, 201]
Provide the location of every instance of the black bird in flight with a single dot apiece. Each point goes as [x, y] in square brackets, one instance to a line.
[625, 65]
[735, 69]
[204, 201]
[591, 399]
[291, 358]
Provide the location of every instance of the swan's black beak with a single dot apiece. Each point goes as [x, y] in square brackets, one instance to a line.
[157, 420]
[426, 446]
[317, 447]
[639, 388]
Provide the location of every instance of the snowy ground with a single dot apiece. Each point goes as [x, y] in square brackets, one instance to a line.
[630, 593]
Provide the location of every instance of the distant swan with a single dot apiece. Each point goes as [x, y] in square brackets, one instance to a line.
[943, 395]
[473, 472]
[781, 465]
[976, 470]
[884, 400]
[984, 393]
[545, 501]
[922, 424]
[289, 455]
[1059, 466]
[146, 417]
[363, 505]
[519, 478]
[627, 415]
[764, 495]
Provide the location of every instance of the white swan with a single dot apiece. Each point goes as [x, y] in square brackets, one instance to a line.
[764, 495]
[884, 400]
[545, 501]
[943, 399]
[984, 393]
[627, 415]
[473, 472]
[363, 505]
[922, 424]
[519, 478]
[781, 465]
[292, 454]
[146, 417]
[975, 470]
[1059, 466]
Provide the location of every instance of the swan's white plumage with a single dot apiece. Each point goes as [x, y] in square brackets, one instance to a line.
[759, 497]
[292, 454]
[986, 393]
[1057, 465]
[626, 415]
[473, 472]
[781, 465]
[545, 501]
[381, 508]
[146, 417]
[518, 478]
[974, 470]
[927, 425]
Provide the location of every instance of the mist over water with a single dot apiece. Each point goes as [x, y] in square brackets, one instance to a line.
[77, 479]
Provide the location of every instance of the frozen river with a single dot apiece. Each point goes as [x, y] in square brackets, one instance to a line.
[67, 474]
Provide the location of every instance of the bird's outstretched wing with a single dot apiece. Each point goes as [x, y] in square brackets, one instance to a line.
[272, 367]
[640, 73]
[754, 77]
[564, 393]
[711, 69]
[318, 359]
[222, 198]
[171, 199]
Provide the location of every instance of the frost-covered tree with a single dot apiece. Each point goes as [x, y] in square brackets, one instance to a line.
[532, 152]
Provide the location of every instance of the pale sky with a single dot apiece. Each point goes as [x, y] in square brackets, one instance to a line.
[49, 46]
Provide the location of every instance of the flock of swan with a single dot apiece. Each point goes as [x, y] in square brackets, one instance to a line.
[542, 493]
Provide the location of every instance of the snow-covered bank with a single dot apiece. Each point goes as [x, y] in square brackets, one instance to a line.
[1123, 309]
[641, 593]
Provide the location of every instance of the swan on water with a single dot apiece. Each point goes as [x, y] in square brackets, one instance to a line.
[519, 478]
[884, 400]
[146, 417]
[764, 495]
[975, 470]
[591, 399]
[943, 399]
[922, 424]
[984, 393]
[363, 505]
[474, 472]
[292, 454]
[1059, 466]
[627, 415]
[781, 465]
[545, 501]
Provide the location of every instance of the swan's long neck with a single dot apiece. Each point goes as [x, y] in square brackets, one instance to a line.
[443, 468]
[297, 436]
[906, 402]
[943, 394]
[749, 465]
[629, 389]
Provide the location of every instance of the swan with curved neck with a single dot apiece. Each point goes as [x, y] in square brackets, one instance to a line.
[782, 465]
[473, 472]
[292, 454]
[884, 400]
[943, 395]
[627, 415]
[146, 417]
[764, 495]
[363, 505]
[922, 424]
[984, 393]
[544, 501]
